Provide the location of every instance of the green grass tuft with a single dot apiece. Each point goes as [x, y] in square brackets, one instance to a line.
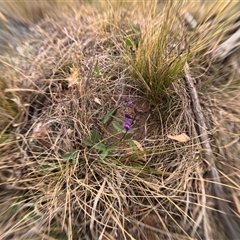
[161, 53]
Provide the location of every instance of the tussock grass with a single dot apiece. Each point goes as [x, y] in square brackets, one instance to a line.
[162, 51]
[67, 168]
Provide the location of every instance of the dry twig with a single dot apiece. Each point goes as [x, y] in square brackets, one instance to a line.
[228, 47]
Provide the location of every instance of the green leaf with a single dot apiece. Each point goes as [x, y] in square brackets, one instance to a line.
[124, 131]
[112, 148]
[96, 70]
[100, 146]
[117, 126]
[130, 131]
[132, 145]
[87, 142]
[117, 118]
[133, 28]
[129, 42]
[95, 136]
[4, 138]
[14, 208]
[109, 114]
[70, 156]
[103, 154]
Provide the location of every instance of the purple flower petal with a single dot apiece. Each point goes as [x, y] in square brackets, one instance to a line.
[127, 124]
[127, 116]
[126, 101]
[130, 103]
[123, 100]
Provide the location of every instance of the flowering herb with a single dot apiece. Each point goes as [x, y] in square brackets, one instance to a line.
[130, 114]
[127, 124]
[126, 102]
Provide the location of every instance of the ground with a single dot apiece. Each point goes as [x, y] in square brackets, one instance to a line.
[119, 120]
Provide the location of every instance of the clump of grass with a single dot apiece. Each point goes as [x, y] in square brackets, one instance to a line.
[162, 51]
[92, 158]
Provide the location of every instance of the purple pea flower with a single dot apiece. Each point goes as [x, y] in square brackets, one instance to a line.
[123, 101]
[126, 102]
[127, 124]
[130, 103]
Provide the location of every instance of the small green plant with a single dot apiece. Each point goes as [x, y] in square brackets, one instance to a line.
[96, 70]
[109, 115]
[71, 156]
[119, 128]
[95, 142]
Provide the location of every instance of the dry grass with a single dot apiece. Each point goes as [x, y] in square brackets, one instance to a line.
[68, 172]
